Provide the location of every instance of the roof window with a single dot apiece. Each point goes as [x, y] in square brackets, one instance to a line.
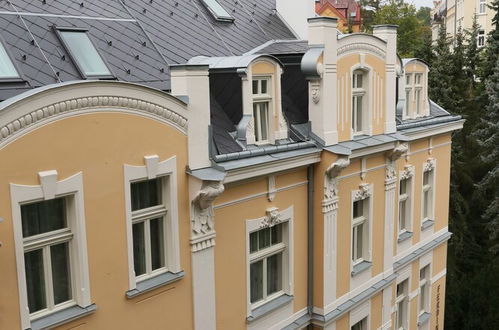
[84, 54]
[7, 68]
[218, 11]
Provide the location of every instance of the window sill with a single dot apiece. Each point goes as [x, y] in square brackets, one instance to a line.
[61, 317]
[269, 307]
[427, 223]
[360, 267]
[153, 283]
[423, 318]
[404, 236]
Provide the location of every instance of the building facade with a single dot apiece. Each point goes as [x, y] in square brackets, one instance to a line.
[456, 15]
[153, 182]
[347, 12]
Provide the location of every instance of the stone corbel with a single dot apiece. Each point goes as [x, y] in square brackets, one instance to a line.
[429, 165]
[202, 222]
[397, 152]
[331, 181]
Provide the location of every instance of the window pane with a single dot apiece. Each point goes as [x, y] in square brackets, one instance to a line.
[264, 238]
[42, 217]
[400, 315]
[61, 274]
[359, 80]
[276, 233]
[408, 79]
[256, 283]
[407, 101]
[146, 194]
[403, 186]
[217, 9]
[422, 298]
[264, 109]
[402, 210]
[354, 243]
[360, 237]
[263, 89]
[359, 114]
[274, 273]
[418, 101]
[253, 242]
[157, 243]
[85, 54]
[255, 86]
[35, 280]
[426, 205]
[139, 252]
[354, 105]
[357, 209]
[426, 178]
[7, 69]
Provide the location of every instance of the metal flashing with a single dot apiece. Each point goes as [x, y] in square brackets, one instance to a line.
[208, 174]
[153, 283]
[269, 307]
[309, 62]
[231, 62]
[61, 317]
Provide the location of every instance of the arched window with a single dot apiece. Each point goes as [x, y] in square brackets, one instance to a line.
[359, 101]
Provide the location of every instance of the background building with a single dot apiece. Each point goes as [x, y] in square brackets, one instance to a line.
[347, 12]
[195, 165]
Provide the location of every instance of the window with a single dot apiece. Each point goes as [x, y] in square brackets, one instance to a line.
[148, 215]
[404, 205]
[51, 252]
[408, 79]
[361, 325]
[152, 225]
[427, 195]
[402, 301]
[481, 38]
[418, 101]
[482, 6]
[7, 68]
[407, 101]
[418, 78]
[360, 231]
[424, 288]
[84, 54]
[266, 263]
[218, 12]
[359, 97]
[47, 243]
[261, 104]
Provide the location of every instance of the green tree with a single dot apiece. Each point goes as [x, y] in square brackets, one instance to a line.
[492, 49]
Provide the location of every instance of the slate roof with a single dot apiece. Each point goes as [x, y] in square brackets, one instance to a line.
[139, 39]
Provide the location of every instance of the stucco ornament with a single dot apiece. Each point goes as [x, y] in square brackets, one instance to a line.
[429, 165]
[203, 224]
[315, 92]
[398, 151]
[365, 191]
[331, 181]
[272, 218]
[407, 173]
[391, 173]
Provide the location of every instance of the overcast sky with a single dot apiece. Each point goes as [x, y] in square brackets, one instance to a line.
[422, 3]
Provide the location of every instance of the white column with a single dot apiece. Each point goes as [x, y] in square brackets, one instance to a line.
[390, 185]
[203, 251]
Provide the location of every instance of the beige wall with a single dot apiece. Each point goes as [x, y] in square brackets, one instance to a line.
[96, 145]
[230, 251]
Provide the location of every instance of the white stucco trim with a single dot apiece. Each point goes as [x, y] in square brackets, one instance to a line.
[361, 312]
[50, 188]
[153, 168]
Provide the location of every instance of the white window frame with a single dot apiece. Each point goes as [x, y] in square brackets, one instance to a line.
[481, 38]
[51, 188]
[361, 314]
[284, 217]
[356, 222]
[402, 299]
[362, 92]
[262, 98]
[364, 194]
[408, 175]
[430, 188]
[482, 7]
[424, 290]
[167, 171]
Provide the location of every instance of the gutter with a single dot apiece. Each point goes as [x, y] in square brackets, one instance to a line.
[310, 246]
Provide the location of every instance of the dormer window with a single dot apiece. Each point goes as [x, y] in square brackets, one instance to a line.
[84, 53]
[359, 97]
[7, 68]
[261, 104]
[218, 12]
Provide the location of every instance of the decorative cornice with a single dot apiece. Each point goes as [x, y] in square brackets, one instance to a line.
[429, 165]
[397, 152]
[357, 47]
[97, 103]
[407, 173]
[331, 174]
[202, 221]
[365, 191]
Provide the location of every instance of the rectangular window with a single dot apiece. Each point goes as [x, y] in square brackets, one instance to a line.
[84, 54]
[427, 195]
[360, 231]
[218, 12]
[407, 101]
[404, 205]
[361, 325]
[418, 101]
[481, 38]
[424, 288]
[483, 6]
[7, 68]
[358, 99]
[418, 77]
[47, 240]
[408, 79]
[402, 302]
[267, 250]
[148, 213]
[261, 104]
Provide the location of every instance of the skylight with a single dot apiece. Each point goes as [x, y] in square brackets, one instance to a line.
[84, 53]
[218, 11]
[7, 68]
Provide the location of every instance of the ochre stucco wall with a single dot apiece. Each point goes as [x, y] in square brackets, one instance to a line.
[99, 145]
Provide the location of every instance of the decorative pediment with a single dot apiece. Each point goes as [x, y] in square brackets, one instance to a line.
[365, 191]
[272, 218]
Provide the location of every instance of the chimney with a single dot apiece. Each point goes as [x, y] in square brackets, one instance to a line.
[295, 13]
[319, 67]
[389, 34]
[192, 83]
